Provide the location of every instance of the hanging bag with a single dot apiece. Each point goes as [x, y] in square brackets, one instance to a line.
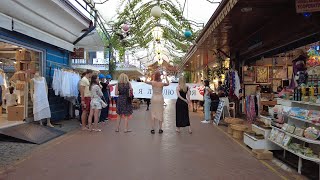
[129, 96]
[103, 102]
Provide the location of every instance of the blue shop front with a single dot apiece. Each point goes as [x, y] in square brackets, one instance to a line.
[29, 49]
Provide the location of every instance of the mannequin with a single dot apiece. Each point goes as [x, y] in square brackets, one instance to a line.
[39, 97]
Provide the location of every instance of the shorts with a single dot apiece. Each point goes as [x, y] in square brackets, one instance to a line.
[87, 101]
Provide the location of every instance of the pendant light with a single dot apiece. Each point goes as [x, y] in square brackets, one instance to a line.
[156, 11]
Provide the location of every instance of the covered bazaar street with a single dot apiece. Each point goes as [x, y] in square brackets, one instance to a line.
[208, 153]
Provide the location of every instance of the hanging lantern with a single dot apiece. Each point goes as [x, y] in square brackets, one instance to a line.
[160, 61]
[125, 27]
[187, 33]
[158, 49]
[157, 33]
[156, 12]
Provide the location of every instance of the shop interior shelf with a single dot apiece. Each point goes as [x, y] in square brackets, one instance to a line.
[304, 120]
[317, 160]
[298, 137]
[261, 128]
[287, 102]
[265, 117]
[306, 103]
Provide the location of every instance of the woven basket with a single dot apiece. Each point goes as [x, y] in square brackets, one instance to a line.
[233, 120]
[237, 134]
[230, 130]
[239, 127]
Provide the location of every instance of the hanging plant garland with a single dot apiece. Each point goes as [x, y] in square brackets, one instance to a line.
[142, 23]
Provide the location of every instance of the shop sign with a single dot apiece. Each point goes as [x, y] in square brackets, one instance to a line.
[307, 6]
[78, 53]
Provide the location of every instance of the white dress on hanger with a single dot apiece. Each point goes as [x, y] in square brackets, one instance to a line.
[41, 109]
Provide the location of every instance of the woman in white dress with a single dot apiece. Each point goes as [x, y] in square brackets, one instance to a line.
[95, 104]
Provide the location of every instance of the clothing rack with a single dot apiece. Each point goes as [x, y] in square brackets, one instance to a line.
[56, 65]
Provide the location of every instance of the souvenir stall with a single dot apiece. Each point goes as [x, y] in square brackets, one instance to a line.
[296, 118]
[290, 116]
[264, 79]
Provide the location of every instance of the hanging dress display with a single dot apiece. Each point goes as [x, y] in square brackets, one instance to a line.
[252, 108]
[232, 84]
[41, 109]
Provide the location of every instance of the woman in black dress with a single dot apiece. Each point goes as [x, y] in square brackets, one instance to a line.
[182, 105]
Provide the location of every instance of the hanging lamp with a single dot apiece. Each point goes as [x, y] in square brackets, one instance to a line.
[125, 27]
[187, 33]
[156, 11]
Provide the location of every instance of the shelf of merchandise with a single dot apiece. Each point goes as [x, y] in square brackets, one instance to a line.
[304, 120]
[265, 117]
[286, 102]
[317, 160]
[298, 137]
[255, 143]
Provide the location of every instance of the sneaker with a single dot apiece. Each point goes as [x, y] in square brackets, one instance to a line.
[205, 122]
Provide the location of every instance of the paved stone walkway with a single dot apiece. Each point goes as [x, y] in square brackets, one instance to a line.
[12, 150]
[206, 154]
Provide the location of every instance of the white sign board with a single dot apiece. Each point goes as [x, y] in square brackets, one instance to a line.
[143, 90]
[219, 112]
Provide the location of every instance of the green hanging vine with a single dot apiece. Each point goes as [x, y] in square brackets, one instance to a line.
[137, 13]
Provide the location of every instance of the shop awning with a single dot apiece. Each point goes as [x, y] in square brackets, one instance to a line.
[216, 19]
[5, 21]
[28, 30]
[54, 22]
[92, 42]
[248, 30]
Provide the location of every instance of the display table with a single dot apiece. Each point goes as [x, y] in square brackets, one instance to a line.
[255, 143]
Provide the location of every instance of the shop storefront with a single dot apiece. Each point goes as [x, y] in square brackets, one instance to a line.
[21, 57]
[32, 45]
[273, 46]
[16, 62]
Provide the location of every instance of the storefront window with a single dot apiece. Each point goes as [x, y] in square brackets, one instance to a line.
[17, 66]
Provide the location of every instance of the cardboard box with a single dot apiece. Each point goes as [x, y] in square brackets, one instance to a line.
[16, 113]
[23, 55]
[262, 154]
[33, 67]
[34, 56]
